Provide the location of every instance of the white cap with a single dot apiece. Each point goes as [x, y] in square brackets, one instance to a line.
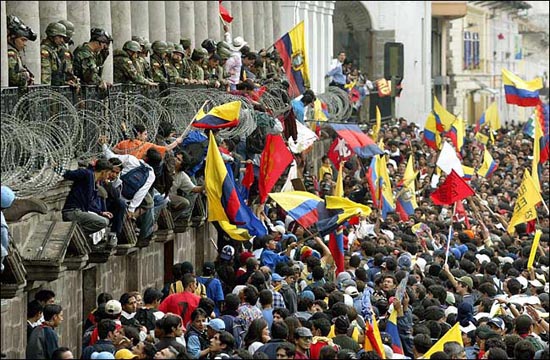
[451, 310]
[536, 283]
[352, 291]
[523, 281]
[467, 329]
[482, 258]
[505, 259]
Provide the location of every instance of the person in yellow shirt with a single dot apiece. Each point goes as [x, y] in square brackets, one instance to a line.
[325, 168]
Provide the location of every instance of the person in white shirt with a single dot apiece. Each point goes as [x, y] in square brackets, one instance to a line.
[184, 187]
[233, 65]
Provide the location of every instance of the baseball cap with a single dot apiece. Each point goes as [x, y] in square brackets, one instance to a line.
[276, 277]
[245, 255]
[216, 325]
[125, 354]
[348, 282]
[113, 307]
[7, 196]
[536, 283]
[208, 267]
[450, 298]
[466, 280]
[498, 322]
[484, 332]
[404, 261]
[343, 276]
[352, 291]
[386, 338]
[227, 252]
[302, 332]
[278, 228]
[101, 355]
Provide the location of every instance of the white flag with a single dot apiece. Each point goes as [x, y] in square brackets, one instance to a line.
[449, 161]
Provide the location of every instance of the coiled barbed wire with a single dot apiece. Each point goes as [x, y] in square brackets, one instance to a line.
[51, 127]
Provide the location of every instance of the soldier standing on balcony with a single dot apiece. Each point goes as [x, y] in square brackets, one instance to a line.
[171, 70]
[124, 69]
[66, 56]
[18, 35]
[176, 60]
[51, 46]
[140, 62]
[197, 72]
[90, 56]
[158, 61]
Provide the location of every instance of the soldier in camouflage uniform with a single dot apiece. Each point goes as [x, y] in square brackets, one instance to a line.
[18, 35]
[186, 60]
[140, 63]
[173, 73]
[51, 65]
[66, 56]
[90, 57]
[197, 72]
[158, 60]
[124, 70]
[214, 73]
[177, 62]
[210, 46]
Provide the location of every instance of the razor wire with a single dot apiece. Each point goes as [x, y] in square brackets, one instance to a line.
[338, 104]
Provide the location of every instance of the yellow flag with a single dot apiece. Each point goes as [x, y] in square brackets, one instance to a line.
[536, 151]
[452, 335]
[382, 171]
[445, 117]
[408, 181]
[335, 202]
[482, 138]
[339, 188]
[234, 232]
[491, 117]
[376, 128]
[528, 198]
[458, 125]
[318, 113]
[489, 165]
[534, 248]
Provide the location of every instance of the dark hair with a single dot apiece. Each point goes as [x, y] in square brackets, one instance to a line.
[498, 354]
[283, 312]
[254, 332]
[138, 128]
[132, 333]
[115, 162]
[33, 308]
[227, 339]
[307, 99]
[524, 350]
[232, 302]
[215, 57]
[317, 273]
[170, 323]
[104, 327]
[422, 343]
[323, 325]
[266, 297]
[279, 330]
[290, 349]
[207, 305]
[44, 295]
[153, 157]
[327, 352]
[250, 294]
[187, 280]
[102, 165]
[151, 295]
[104, 297]
[198, 312]
[523, 324]
[58, 353]
[50, 310]
[125, 298]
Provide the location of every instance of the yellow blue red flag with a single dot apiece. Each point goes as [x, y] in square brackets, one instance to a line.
[222, 116]
[520, 92]
[292, 49]
[489, 165]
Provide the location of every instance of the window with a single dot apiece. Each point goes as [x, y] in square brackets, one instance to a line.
[471, 51]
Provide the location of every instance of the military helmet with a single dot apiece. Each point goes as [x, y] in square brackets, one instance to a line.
[140, 40]
[178, 49]
[224, 50]
[159, 47]
[56, 29]
[69, 26]
[17, 28]
[186, 43]
[209, 45]
[131, 45]
[198, 54]
[170, 46]
[98, 34]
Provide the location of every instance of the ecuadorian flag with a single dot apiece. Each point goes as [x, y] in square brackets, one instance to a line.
[292, 49]
[302, 206]
[519, 92]
[222, 116]
[357, 140]
[224, 203]
[468, 172]
[432, 136]
[489, 165]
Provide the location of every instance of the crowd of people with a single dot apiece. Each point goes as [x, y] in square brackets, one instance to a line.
[280, 296]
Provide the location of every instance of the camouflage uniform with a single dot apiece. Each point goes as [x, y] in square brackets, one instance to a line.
[158, 69]
[66, 58]
[124, 70]
[18, 74]
[51, 66]
[88, 66]
[142, 66]
[185, 71]
[197, 72]
[173, 73]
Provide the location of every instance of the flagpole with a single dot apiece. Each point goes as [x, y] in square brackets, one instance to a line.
[193, 120]
[448, 246]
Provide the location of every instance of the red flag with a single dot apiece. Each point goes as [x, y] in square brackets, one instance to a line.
[339, 151]
[336, 246]
[453, 189]
[248, 178]
[226, 16]
[461, 215]
[275, 159]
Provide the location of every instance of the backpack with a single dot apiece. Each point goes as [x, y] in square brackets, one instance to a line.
[146, 317]
[238, 329]
[133, 180]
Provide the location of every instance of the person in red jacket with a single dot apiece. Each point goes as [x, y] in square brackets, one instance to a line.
[182, 303]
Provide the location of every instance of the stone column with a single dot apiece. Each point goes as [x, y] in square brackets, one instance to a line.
[157, 27]
[201, 22]
[100, 16]
[277, 32]
[172, 21]
[187, 20]
[3, 46]
[51, 11]
[28, 12]
[268, 23]
[140, 18]
[121, 17]
[236, 27]
[259, 21]
[248, 25]
[213, 17]
[78, 12]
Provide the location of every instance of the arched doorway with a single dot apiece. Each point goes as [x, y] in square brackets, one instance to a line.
[352, 33]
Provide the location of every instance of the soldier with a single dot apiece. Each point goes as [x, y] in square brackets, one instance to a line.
[18, 35]
[177, 62]
[90, 57]
[197, 72]
[123, 64]
[141, 64]
[273, 66]
[224, 52]
[210, 46]
[158, 60]
[212, 73]
[52, 68]
[66, 56]
[173, 73]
